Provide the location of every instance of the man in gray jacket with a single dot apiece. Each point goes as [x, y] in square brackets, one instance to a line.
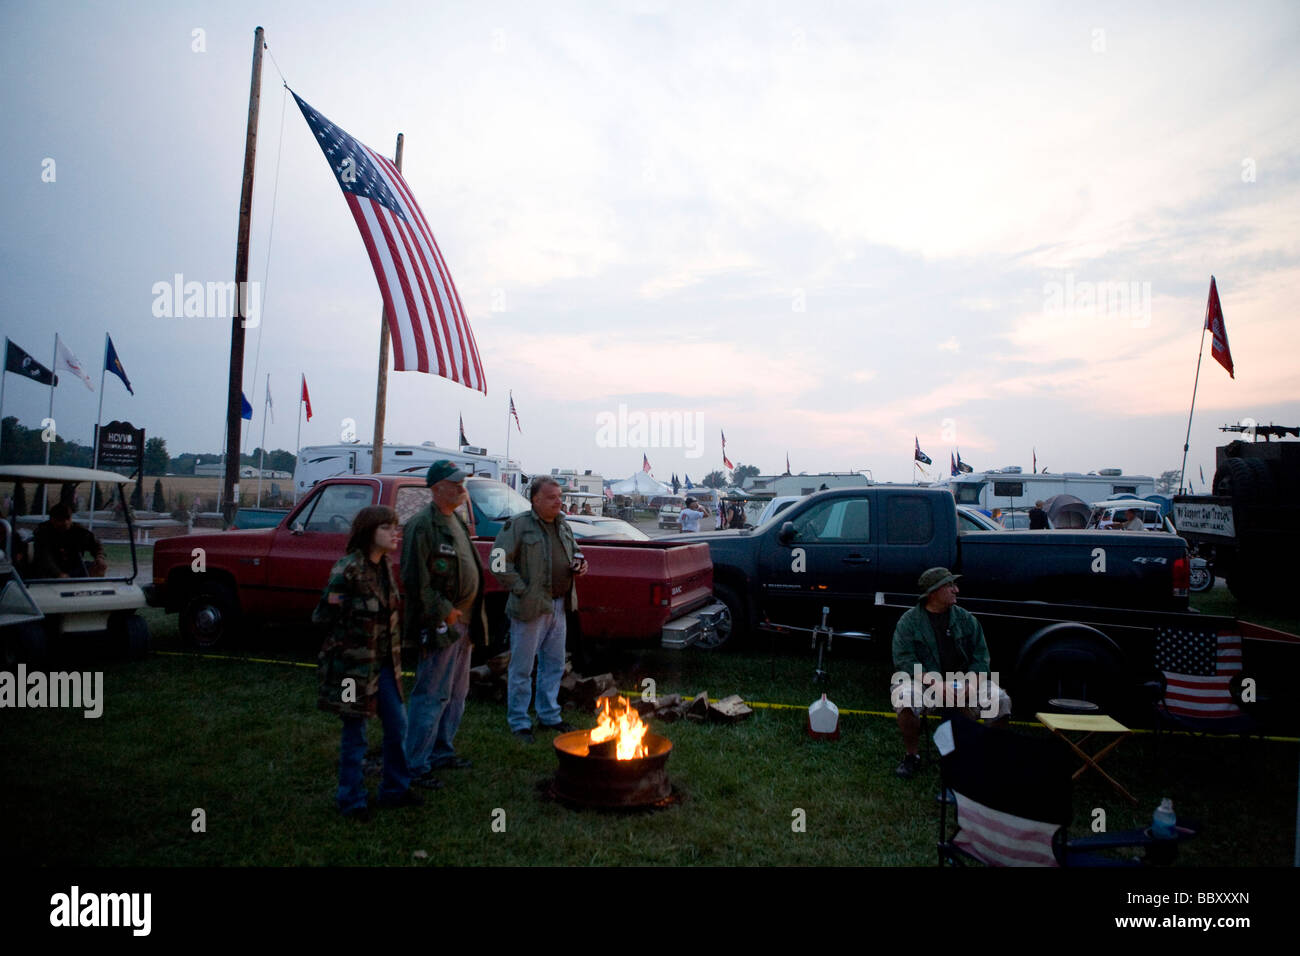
[536, 560]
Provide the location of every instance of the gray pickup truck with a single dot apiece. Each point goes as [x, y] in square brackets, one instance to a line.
[839, 548]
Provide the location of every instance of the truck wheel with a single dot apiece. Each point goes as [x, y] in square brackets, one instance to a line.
[731, 631]
[209, 616]
[1071, 665]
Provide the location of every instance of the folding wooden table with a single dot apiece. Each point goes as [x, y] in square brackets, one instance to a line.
[1084, 727]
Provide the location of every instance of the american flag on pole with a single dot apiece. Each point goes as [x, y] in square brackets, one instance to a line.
[430, 332]
[645, 463]
[515, 415]
[725, 460]
[1198, 666]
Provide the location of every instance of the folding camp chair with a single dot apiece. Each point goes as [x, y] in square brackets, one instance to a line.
[1012, 796]
[1198, 684]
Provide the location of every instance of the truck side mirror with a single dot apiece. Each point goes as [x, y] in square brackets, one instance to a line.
[297, 528]
[786, 534]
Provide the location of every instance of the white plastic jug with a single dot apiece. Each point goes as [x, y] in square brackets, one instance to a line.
[823, 717]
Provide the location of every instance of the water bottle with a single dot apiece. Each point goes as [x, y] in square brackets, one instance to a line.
[1162, 821]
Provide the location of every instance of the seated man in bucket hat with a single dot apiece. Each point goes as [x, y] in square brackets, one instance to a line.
[940, 662]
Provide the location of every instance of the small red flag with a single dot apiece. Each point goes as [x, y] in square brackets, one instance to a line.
[1214, 325]
[725, 460]
[306, 399]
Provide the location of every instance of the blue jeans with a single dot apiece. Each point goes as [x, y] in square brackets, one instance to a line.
[352, 750]
[437, 705]
[541, 639]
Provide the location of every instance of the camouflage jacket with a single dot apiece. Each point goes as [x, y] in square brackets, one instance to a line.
[521, 561]
[355, 609]
[431, 574]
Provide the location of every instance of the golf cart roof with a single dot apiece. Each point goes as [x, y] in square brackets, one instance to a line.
[60, 473]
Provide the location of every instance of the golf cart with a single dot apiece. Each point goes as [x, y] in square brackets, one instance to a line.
[37, 614]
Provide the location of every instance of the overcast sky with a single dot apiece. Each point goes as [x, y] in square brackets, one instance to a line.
[824, 232]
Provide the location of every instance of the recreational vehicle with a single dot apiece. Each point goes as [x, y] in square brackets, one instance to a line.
[1011, 490]
[325, 461]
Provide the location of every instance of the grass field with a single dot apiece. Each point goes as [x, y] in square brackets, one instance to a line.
[241, 740]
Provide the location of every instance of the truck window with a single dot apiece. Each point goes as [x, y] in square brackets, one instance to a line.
[837, 522]
[411, 500]
[336, 506]
[908, 520]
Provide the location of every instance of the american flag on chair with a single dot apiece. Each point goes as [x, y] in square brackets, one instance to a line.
[1198, 666]
[1002, 839]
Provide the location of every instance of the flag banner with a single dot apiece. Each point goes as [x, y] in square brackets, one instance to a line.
[645, 463]
[1202, 476]
[725, 460]
[114, 364]
[270, 405]
[463, 440]
[1035, 461]
[306, 399]
[676, 484]
[515, 415]
[245, 409]
[1198, 667]
[964, 468]
[952, 467]
[70, 362]
[1214, 325]
[919, 455]
[689, 484]
[430, 332]
[787, 463]
[18, 361]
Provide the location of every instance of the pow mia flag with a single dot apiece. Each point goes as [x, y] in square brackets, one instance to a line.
[18, 361]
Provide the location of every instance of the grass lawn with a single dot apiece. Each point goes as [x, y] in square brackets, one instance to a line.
[242, 740]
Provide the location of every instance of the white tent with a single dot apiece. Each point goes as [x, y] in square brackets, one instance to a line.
[640, 483]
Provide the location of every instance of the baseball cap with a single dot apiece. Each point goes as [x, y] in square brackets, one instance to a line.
[443, 470]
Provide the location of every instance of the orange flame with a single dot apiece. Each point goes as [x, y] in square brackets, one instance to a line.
[618, 719]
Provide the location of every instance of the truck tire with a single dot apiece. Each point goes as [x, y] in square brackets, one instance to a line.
[209, 616]
[733, 631]
[1070, 661]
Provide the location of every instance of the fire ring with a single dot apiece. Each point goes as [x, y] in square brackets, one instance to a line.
[596, 780]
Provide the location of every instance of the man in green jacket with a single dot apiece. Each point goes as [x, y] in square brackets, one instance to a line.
[940, 661]
[536, 560]
[444, 617]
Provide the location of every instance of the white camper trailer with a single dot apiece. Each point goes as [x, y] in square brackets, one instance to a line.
[325, 461]
[1011, 490]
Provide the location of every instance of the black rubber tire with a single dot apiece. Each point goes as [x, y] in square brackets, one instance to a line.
[1073, 665]
[133, 634]
[734, 635]
[209, 616]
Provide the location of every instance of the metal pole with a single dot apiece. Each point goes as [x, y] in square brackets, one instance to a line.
[1200, 352]
[381, 384]
[261, 459]
[234, 388]
[99, 417]
[297, 442]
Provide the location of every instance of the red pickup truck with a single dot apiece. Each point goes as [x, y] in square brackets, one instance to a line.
[634, 590]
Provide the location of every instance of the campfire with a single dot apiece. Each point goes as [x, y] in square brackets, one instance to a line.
[619, 763]
[619, 728]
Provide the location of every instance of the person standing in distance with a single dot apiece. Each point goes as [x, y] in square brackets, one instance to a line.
[540, 563]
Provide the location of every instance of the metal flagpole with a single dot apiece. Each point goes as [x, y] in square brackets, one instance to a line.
[45, 488]
[1200, 352]
[512, 398]
[99, 417]
[261, 459]
[3, 371]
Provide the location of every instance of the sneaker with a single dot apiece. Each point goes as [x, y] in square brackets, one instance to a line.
[456, 762]
[910, 765]
[407, 798]
[427, 781]
[563, 727]
[525, 736]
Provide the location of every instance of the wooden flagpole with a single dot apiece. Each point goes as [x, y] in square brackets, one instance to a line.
[381, 387]
[235, 384]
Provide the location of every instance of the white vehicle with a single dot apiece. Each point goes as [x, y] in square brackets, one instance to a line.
[775, 507]
[70, 606]
[318, 462]
[1011, 490]
[1114, 512]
